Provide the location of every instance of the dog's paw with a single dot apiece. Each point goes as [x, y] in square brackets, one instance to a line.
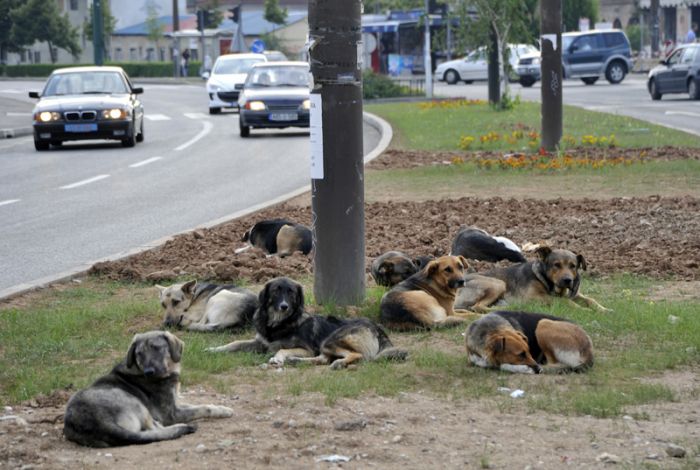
[222, 412]
[276, 361]
[338, 364]
[186, 428]
[216, 349]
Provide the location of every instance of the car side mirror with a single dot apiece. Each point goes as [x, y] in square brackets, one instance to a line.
[205, 75]
[137, 90]
[34, 94]
[663, 62]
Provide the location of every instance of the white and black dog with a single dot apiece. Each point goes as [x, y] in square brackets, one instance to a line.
[477, 244]
[280, 237]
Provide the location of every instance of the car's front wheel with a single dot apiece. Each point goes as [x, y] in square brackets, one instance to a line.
[245, 130]
[693, 89]
[130, 139]
[527, 82]
[589, 80]
[451, 77]
[140, 136]
[41, 145]
[615, 72]
[654, 90]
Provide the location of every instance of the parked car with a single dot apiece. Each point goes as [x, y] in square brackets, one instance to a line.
[227, 77]
[275, 56]
[275, 95]
[475, 65]
[80, 103]
[591, 54]
[528, 69]
[679, 73]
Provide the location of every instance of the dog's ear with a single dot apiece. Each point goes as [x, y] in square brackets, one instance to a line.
[175, 345]
[160, 288]
[432, 267]
[131, 354]
[300, 296]
[246, 236]
[465, 263]
[264, 296]
[542, 252]
[581, 262]
[188, 287]
[500, 345]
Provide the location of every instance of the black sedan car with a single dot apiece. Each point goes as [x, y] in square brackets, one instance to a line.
[80, 103]
[275, 95]
[678, 73]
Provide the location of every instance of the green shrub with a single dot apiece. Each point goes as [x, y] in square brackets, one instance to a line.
[381, 86]
[133, 69]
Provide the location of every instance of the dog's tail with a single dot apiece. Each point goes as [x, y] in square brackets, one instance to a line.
[111, 434]
[393, 354]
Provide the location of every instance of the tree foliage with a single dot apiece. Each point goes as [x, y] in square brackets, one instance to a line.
[274, 13]
[215, 17]
[7, 41]
[572, 10]
[154, 29]
[40, 20]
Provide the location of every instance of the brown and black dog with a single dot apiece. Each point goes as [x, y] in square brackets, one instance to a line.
[392, 267]
[522, 342]
[279, 236]
[556, 273]
[426, 299]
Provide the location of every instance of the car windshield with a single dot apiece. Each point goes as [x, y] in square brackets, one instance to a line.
[566, 42]
[525, 49]
[232, 66]
[79, 83]
[285, 76]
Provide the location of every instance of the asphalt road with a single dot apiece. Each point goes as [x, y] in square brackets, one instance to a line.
[65, 208]
[629, 98]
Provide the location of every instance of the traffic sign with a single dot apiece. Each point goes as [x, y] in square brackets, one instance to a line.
[257, 46]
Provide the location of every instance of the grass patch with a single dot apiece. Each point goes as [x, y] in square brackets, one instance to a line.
[441, 128]
[678, 177]
[73, 336]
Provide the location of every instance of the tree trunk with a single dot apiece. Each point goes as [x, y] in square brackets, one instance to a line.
[52, 56]
[494, 81]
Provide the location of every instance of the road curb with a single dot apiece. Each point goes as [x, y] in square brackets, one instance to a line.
[374, 121]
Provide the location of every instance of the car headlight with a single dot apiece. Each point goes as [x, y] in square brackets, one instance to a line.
[46, 116]
[535, 61]
[306, 104]
[255, 106]
[214, 88]
[115, 113]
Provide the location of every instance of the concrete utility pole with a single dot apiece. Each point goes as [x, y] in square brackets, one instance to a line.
[337, 168]
[176, 49]
[98, 32]
[427, 62]
[550, 30]
[654, 10]
[494, 69]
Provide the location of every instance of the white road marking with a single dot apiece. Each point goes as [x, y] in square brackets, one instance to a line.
[9, 201]
[682, 113]
[156, 117]
[11, 90]
[207, 126]
[84, 182]
[10, 113]
[145, 162]
[197, 115]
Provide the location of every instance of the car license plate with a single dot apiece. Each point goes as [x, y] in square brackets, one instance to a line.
[80, 127]
[283, 116]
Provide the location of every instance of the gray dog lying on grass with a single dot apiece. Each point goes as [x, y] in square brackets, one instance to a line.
[136, 403]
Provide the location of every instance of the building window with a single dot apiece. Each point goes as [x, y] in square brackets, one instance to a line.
[118, 53]
[132, 54]
[37, 57]
[73, 5]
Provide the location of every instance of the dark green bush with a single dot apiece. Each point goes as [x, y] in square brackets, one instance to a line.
[133, 69]
[381, 86]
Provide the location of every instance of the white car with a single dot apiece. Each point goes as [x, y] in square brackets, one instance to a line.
[227, 77]
[475, 65]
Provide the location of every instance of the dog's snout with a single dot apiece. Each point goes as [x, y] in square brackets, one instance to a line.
[460, 282]
[149, 371]
[284, 306]
[567, 281]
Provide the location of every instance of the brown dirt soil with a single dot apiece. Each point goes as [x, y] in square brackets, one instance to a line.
[654, 236]
[413, 430]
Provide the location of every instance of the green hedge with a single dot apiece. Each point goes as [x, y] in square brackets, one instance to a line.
[381, 86]
[133, 69]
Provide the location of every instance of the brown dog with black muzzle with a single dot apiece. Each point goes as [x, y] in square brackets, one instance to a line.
[523, 342]
[426, 299]
[556, 273]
